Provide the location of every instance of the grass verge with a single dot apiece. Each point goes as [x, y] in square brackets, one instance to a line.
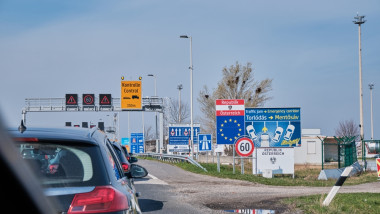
[303, 176]
[342, 203]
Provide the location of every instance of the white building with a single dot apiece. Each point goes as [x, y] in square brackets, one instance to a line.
[310, 151]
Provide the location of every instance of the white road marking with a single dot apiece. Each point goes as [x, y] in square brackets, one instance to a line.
[151, 180]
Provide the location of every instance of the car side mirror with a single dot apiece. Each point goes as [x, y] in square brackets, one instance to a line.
[138, 171]
[133, 160]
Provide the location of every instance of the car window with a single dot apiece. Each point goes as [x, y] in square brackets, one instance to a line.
[113, 161]
[63, 164]
[120, 154]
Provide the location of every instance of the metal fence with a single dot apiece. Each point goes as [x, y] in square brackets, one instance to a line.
[171, 158]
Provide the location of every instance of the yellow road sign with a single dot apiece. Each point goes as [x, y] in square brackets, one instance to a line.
[130, 95]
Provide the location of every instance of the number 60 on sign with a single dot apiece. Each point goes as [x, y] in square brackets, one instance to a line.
[244, 146]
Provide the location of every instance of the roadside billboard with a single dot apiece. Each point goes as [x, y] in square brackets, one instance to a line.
[126, 142]
[273, 127]
[130, 95]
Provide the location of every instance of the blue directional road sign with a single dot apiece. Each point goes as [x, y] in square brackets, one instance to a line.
[137, 143]
[180, 134]
[205, 142]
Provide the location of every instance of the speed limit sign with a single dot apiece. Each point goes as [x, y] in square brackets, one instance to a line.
[244, 146]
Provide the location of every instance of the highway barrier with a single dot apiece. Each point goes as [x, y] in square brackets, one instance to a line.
[171, 158]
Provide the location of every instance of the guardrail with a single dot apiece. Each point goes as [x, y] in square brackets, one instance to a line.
[171, 158]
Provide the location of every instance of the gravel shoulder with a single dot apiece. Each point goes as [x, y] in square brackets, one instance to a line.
[211, 194]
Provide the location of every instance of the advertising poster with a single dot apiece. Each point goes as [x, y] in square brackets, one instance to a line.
[125, 142]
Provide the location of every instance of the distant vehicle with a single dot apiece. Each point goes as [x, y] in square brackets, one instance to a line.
[289, 132]
[135, 97]
[121, 155]
[251, 132]
[278, 134]
[85, 175]
[129, 155]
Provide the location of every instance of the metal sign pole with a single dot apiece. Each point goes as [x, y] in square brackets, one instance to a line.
[256, 163]
[233, 156]
[218, 160]
[242, 165]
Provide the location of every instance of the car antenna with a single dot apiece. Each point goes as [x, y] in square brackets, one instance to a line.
[22, 127]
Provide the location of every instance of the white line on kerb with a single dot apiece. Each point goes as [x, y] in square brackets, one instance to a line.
[153, 180]
[153, 177]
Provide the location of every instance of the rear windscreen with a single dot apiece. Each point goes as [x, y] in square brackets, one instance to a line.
[64, 165]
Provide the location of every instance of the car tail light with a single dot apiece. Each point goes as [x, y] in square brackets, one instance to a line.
[125, 167]
[26, 139]
[101, 199]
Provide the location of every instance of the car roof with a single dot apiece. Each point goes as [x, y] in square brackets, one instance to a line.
[84, 135]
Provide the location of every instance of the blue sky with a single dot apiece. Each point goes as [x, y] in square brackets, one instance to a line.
[309, 48]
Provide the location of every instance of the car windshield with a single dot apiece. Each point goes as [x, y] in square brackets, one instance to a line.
[63, 165]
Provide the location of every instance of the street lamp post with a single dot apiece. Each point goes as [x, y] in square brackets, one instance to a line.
[179, 87]
[359, 21]
[158, 150]
[371, 86]
[191, 92]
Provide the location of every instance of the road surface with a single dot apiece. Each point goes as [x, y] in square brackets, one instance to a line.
[169, 189]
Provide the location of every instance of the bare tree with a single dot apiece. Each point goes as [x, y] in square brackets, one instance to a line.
[237, 82]
[347, 128]
[174, 111]
[149, 133]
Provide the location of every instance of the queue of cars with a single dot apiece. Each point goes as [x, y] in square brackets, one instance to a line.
[80, 170]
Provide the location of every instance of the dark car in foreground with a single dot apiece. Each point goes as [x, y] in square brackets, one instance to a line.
[79, 169]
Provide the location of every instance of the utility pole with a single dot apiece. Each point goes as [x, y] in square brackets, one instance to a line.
[371, 86]
[179, 87]
[191, 92]
[359, 21]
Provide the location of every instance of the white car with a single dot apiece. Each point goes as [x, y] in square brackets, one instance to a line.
[251, 132]
[289, 132]
[278, 134]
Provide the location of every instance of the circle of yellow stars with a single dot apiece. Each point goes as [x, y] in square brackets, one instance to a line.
[222, 126]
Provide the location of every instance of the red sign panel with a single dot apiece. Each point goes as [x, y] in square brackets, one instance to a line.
[230, 107]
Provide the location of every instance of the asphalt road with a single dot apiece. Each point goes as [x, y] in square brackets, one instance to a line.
[169, 189]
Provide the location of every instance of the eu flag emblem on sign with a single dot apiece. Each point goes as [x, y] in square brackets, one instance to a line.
[229, 129]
